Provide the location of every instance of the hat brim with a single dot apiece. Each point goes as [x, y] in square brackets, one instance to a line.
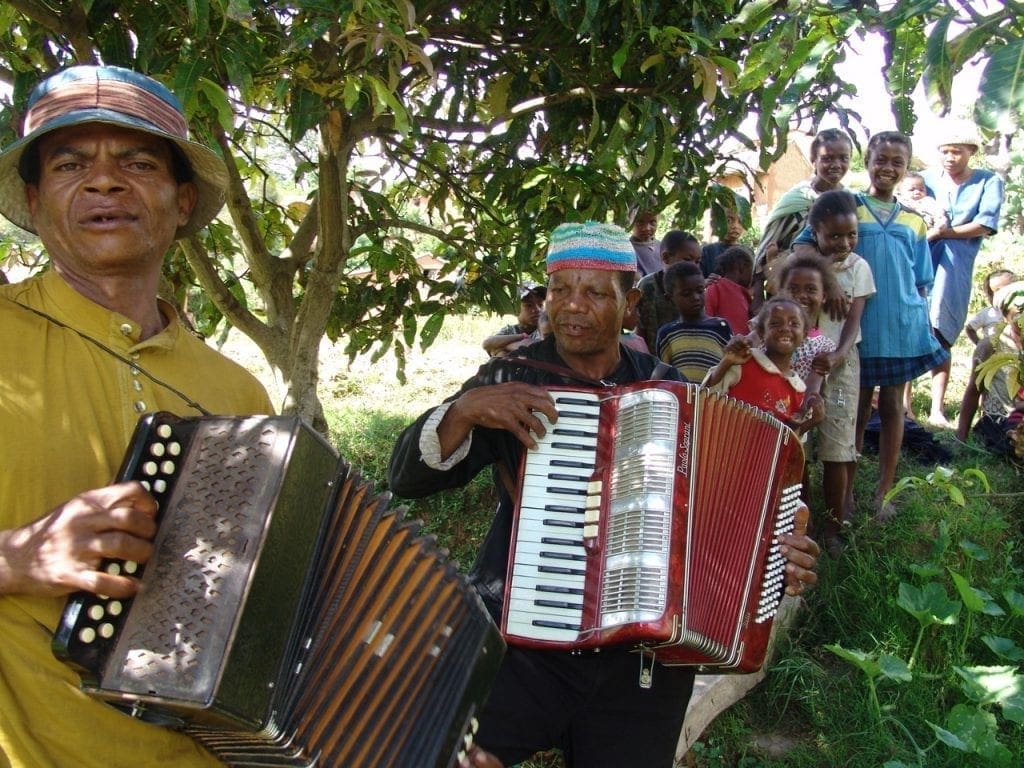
[208, 172]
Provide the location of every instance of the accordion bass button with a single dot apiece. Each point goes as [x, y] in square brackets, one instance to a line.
[87, 635]
[96, 612]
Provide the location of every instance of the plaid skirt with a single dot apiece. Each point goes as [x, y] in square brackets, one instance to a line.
[891, 371]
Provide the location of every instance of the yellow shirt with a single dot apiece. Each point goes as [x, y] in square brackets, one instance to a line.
[67, 412]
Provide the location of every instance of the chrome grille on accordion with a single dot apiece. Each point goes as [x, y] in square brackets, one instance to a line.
[287, 616]
[648, 516]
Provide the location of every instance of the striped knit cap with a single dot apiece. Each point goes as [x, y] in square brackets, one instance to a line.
[1009, 297]
[590, 245]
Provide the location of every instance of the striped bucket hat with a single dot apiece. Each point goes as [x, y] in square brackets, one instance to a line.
[115, 96]
[590, 245]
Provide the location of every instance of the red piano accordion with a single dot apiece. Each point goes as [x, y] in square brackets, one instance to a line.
[287, 616]
[648, 516]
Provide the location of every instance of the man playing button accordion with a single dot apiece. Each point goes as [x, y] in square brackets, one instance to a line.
[105, 174]
[589, 704]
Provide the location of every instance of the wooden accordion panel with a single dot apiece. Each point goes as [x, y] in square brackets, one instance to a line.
[287, 617]
[648, 516]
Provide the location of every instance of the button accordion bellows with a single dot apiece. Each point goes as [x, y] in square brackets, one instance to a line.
[287, 617]
[648, 516]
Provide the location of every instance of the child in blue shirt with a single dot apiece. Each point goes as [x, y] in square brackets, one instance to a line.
[897, 344]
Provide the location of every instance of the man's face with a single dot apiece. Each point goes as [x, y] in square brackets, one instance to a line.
[106, 201]
[586, 307]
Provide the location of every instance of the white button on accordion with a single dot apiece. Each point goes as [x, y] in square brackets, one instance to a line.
[287, 616]
[648, 516]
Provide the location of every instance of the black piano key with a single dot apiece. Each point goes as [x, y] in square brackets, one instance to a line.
[554, 624]
[561, 555]
[566, 491]
[558, 604]
[574, 433]
[564, 509]
[569, 464]
[557, 589]
[562, 523]
[557, 540]
[573, 447]
[560, 570]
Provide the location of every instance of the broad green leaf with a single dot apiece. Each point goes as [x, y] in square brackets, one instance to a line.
[950, 739]
[938, 68]
[1015, 600]
[974, 551]
[928, 604]
[865, 662]
[894, 668]
[218, 99]
[1004, 647]
[925, 570]
[975, 731]
[990, 685]
[1001, 88]
[975, 600]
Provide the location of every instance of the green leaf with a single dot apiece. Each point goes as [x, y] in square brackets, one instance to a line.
[1015, 600]
[938, 68]
[1001, 89]
[218, 99]
[975, 600]
[950, 739]
[865, 662]
[990, 685]
[929, 604]
[893, 668]
[620, 56]
[1004, 647]
[974, 551]
[431, 328]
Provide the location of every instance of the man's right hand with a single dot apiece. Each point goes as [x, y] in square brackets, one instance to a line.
[512, 406]
[61, 552]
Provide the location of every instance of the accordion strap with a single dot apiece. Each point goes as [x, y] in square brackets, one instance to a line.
[661, 370]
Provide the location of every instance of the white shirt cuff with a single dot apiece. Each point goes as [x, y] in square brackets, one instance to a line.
[430, 444]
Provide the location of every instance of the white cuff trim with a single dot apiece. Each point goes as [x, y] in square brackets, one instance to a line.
[430, 444]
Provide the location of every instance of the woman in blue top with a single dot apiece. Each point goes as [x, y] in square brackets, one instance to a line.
[897, 344]
[972, 198]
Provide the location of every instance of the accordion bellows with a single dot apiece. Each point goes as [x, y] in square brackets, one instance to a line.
[288, 616]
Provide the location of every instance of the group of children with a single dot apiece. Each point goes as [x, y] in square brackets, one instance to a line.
[845, 330]
[842, 334]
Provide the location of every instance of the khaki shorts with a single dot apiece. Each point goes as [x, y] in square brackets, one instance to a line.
[836, 438]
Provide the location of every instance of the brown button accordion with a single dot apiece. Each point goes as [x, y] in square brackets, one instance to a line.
[648, 516]
[287, 616]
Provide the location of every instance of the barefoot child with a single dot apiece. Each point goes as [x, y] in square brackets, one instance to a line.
[763, 376]
[694, 342]
[897, 345]
[833, 223]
